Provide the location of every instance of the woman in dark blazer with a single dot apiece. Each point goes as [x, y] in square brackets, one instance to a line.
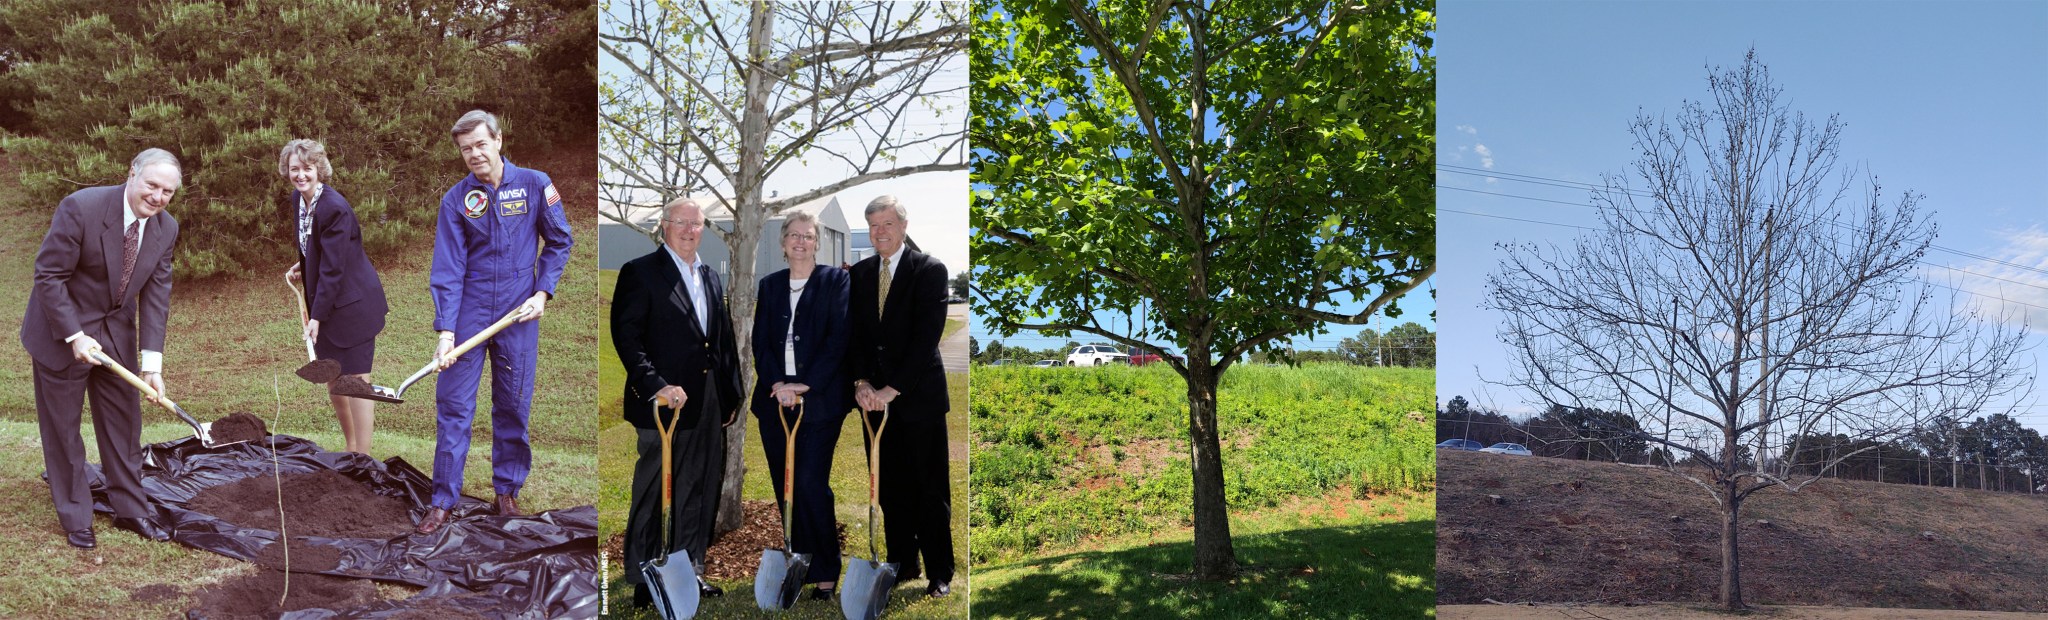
[800, 334]
[344, 299]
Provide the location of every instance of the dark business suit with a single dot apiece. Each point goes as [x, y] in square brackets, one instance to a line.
[655, 330]
[342, 290]
[900, 349]
[77, 269]
[820, 336]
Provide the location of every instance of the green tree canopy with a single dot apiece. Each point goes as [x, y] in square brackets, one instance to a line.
[1241, 168]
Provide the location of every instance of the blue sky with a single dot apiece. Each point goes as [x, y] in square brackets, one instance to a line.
[1949, 100]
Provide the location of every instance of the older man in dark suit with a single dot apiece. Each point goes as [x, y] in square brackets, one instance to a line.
[898, 310]
[672, 333]
[103, 275]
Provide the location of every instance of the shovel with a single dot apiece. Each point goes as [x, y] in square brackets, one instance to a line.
[316, 370]
[671, 578]
[201, 430]
[865, 590]
[385, 394]
[781, 576]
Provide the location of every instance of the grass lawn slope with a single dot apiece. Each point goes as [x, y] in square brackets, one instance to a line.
[1081, 491]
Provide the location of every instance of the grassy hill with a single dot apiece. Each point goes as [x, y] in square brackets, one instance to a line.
[1082, 493]
[1591, 532]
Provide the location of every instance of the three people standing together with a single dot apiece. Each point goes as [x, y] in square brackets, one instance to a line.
[824, 340]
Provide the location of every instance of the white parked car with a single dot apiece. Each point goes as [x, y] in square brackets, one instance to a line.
[1508, 448]
[1044, 364]
[1096, 355]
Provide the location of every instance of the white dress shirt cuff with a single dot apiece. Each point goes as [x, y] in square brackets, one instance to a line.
[80, 334]
[151, 361]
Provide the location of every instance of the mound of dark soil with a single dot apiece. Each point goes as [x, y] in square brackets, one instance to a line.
[238, 426]
[349, 385]
[305, 557]
[323, 503]
[256, 596]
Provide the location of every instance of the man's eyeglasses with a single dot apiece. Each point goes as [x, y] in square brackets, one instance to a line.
[686, 223]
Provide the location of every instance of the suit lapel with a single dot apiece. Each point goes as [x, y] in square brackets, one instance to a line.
[113, 243]
[897, 284]
[678, 290]
[154, 244]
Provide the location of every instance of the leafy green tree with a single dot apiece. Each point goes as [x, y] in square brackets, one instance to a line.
[1239, 170]
[224, 86]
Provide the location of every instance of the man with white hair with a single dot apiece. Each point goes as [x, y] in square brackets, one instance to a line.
[898, 311]
[102, 284]
[500, 244]
[674, 337]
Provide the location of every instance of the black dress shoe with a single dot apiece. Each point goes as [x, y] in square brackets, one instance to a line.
[507, 505]
[144, 527]
[433, 521]
[642, 598]
[707, 590]
[938, 590]
[81, 538]
[822, 594]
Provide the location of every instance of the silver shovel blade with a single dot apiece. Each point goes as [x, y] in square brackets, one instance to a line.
[865, 591]
[673, 582]
[780, 578]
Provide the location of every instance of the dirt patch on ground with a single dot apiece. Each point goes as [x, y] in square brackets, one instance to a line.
[1574, 531]
[323, 503]
[155, 593]
[256, 595]
[238, 426]
[1135, 456]
[305, 557]
[737, 554]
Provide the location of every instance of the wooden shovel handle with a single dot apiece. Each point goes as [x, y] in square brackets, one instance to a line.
[303, 317]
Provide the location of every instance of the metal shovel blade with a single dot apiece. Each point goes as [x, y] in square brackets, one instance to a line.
[673, 581]
[865, 591]
[319, 371]
[780, 578]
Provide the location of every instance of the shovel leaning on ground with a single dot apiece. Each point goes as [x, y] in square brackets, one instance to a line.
[201, 430]
[671, 578]
[781, 575]
[385, 394]
[316, 370]
[864, 593]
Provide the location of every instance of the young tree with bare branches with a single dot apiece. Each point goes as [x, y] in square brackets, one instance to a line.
[1745, 290]
[714, 98]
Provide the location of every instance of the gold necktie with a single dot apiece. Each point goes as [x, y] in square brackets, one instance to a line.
[883, 300]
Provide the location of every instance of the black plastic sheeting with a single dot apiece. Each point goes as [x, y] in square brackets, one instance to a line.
[542, 565]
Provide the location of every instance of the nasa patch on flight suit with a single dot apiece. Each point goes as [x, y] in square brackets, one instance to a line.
[511, 207]
[474, 202]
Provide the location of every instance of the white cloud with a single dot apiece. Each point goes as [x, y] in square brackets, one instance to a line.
[1468, 129]
[1485, 156]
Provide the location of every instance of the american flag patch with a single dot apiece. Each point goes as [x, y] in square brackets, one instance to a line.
[554, 199]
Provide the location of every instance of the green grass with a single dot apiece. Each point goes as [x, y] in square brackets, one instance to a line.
[230, 340]
[849, 484]
[1081, 491]
[1376, 562]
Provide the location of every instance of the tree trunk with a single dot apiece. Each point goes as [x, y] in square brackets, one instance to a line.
[1214, 558]
[1731, 559]
[740, 249]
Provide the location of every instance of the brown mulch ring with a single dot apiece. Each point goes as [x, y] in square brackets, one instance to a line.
[324, 503]
[736, 555]
[238, 426]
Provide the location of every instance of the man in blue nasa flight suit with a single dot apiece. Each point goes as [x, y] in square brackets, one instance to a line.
[500, 243]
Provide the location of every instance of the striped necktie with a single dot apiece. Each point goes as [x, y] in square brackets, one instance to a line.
[882, 301]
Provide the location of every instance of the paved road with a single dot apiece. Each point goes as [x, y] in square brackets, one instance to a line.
[953, 351]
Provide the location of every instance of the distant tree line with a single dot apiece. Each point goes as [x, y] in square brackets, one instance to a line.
[1992, 452]
[1406, 345]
